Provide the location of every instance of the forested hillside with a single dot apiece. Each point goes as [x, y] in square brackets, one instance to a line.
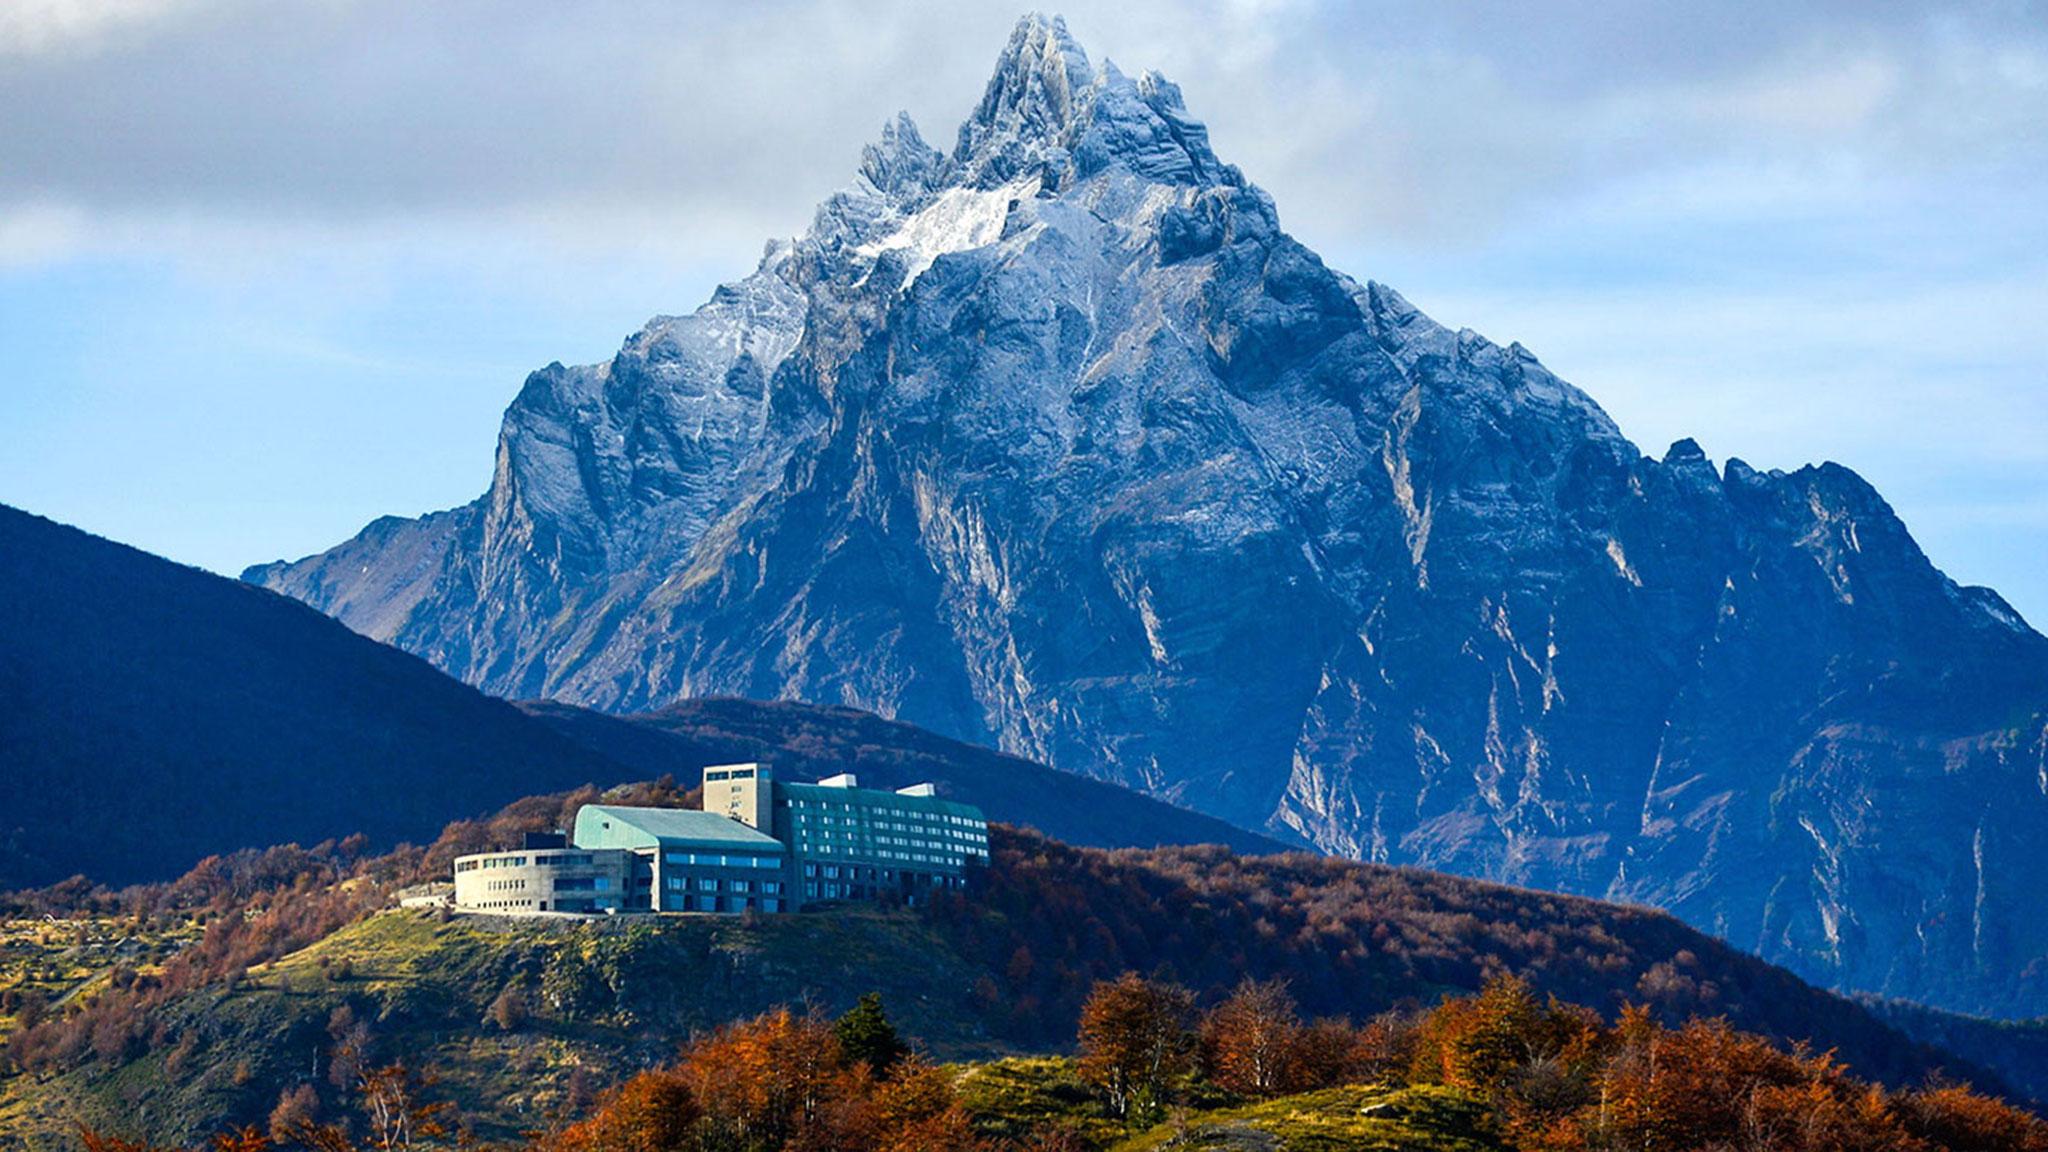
[297, 950]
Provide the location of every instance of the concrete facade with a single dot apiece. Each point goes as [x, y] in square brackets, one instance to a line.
[542, 880]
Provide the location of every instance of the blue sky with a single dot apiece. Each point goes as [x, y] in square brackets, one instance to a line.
[268, 270]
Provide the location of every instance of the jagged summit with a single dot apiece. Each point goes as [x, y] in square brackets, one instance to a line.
[1059, 443]
[900, 164]
[1048, 111]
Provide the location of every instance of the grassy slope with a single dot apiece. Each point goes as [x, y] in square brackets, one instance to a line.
[1013, 1097]
[628, 992]
[1359, 1118]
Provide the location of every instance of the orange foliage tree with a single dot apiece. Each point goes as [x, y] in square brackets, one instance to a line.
[1253, 1040]
[1135, 1037]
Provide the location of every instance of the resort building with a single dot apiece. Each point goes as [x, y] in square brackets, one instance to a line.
[757, 845]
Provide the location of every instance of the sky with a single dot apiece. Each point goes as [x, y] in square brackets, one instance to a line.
[272, 268]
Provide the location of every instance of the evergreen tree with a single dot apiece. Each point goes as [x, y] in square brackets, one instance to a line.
[866, 1036]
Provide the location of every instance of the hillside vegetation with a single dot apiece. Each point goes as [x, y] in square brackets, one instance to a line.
[1502, 1069]
[289, 954]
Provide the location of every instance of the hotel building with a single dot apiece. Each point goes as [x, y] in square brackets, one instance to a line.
[757, 845]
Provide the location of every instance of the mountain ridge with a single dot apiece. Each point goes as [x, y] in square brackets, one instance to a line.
[157, 714]
[1060, 444]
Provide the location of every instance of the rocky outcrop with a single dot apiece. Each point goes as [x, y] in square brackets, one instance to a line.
[1058, 442]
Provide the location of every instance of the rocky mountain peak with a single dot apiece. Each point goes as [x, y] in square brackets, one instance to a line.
[900, 164]
[1048, 111]
[1040, 92]
[1060, 444]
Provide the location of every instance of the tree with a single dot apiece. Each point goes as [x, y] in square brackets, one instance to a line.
[398, 1104]
[866, 1036]
[244, 1139]
[1485, 1043]
[297, 1109]
[508, 1011]
[652, 1112]
[1954, 1117]
[1331, 1052]
[399, 1110]
[1252, 1039]
[1134, 1039]
[762, 1081]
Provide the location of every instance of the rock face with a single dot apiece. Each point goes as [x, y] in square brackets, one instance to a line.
[1057, 442]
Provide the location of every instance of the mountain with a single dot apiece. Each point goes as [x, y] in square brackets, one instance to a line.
[155, 714]
[1055, 441]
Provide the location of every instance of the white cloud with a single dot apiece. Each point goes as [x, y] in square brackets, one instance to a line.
[33, 27]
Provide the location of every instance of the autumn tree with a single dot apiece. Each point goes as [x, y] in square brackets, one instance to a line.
[652, 1112]
[1485, 1043]
[1134, 1039]
[94, 1140]
[1252, 1040]
[1953, 1116]
[400, 1112]
[298, 1108]
[1330, 1052]
[763, 1081]
[509, 1010]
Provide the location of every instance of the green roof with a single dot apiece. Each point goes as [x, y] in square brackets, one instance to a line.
[613, 826]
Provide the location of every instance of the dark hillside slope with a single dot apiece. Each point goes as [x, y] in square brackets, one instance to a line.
[806, 740]
[1357, 939]
[152, 714]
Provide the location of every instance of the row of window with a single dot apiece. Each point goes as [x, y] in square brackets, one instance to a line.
[713, 884]
[557, 860]
[504, 885]
[900, 812]
[813, 848]
[883, 818]
[728, 904]
[490, 862]
[717, 860]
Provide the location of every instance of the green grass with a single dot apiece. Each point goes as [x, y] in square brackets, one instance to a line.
[1016, 1097]
[58, 960]
[1367, 1118]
